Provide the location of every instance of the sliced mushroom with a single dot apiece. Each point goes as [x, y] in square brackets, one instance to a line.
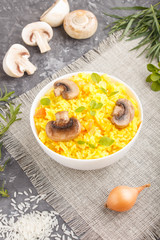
[38, 33]
[16, 62]
[80, 24]
[55, 15]
[123, 113]
[67, 88]
[64, 128]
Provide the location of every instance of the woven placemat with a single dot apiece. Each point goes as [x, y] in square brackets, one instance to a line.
[79, 196]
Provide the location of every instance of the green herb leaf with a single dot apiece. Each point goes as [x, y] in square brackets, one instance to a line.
[11, 117]
[45, 101]
[155, 77]
[159, 64]
[92, 104]
[91, 145]
[1, 149]
[2, 168]
[98, 105]
[152, 68]
[80, 109]
[106, 141]
[103, 90]
[93, 113]
[156, 20]
[129, 8]
[3, 192]
[6, 96]
[80, 142]
[96, 77]
[112, 15]
[148, 79]
[113, 93]
[155, 86]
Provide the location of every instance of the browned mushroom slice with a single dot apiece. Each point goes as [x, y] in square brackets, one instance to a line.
[123, 113]
[64, 128]
[67, 88]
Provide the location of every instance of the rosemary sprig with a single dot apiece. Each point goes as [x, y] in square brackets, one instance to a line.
[8, 115]
[6, 96]
[9, 118]
[3, 192]
[144, 24]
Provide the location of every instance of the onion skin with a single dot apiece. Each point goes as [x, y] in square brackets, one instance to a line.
[123, 198]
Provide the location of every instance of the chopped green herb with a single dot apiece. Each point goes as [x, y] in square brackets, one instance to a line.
[98, 105]
[154, 77]
[92, 104]
[83, 142]
[93, 113]
[80, 109]
[106, 141]
[103, 90]
[80, 142]
[96, 77]
[91, 145]
[95, 105]
[113, 93]
[45, 101]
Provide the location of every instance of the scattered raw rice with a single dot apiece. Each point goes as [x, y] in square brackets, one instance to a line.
[13, 200]
[25, 193]
[30, 190]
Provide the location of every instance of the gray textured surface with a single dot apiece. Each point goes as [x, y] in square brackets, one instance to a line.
[14, 15]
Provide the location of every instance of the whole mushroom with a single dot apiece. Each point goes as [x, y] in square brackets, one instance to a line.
[55, 15]
[123, 113]
[80, 24]
[16, 62]
[64, 128]
[38, 34]
[67, 88]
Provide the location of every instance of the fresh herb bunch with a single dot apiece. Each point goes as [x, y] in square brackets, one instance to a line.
[144, 24]
[154, 77]
[8, 115]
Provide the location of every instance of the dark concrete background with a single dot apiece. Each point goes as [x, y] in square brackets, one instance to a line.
[14, 15]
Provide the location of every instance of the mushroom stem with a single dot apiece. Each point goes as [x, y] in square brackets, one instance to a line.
[41, 42]
[24, 65]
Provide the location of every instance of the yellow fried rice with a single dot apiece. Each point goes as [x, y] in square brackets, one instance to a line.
[93, 127]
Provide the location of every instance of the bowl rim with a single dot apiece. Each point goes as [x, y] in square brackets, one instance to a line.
[49, 85]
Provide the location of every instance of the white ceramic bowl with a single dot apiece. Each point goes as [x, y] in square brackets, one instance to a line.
[82, 164]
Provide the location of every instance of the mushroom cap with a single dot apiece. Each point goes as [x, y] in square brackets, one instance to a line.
[64, 128]
[16, 62]
[67, 88]
[43, 28]
[80, 24]
[55, 15]
[123, 113]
